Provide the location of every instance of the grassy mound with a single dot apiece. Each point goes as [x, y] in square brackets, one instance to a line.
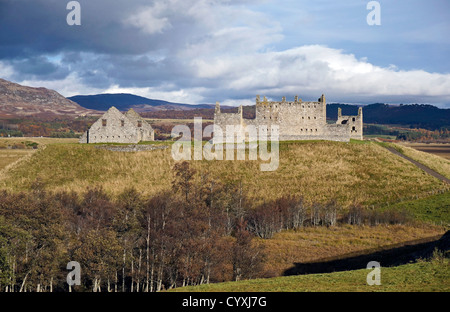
[361, 172]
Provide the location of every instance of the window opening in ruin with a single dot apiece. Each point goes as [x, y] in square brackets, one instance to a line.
[104, 122]
[122, 123]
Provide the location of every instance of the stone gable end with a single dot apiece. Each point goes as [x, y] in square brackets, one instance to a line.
[115, 127]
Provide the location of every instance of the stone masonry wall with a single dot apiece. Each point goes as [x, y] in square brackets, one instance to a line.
[355, 123]
[297, 120]
[115, 127]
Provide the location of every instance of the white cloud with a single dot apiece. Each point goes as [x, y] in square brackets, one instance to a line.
[229, 51]
[189, 96]
[69, 86]
[238, 102]
[320, 69]
[150, 19]
[6, 71]
[307, 71]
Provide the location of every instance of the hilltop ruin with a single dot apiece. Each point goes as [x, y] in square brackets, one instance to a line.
[297, 120]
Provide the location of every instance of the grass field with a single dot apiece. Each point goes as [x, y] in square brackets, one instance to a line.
[383, 136]
[432, 209]
[9, 156]
[316, 243]
[356, 172]
[423, 276]
[359, 171]
[442, 150]
[39, 140]
[437, 163]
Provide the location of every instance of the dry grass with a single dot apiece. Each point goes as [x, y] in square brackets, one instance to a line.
[423, 276]
[315, 243]
[438, 149]
[39, 140]
[350, 172]
[9, 156]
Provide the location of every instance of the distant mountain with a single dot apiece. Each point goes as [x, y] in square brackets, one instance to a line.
[416, 115]
[18, 101]
[124, 101]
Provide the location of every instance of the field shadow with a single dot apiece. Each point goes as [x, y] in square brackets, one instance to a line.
[388, 256]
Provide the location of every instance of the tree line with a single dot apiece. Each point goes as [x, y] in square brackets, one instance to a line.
[47, 126]
[412, 135]
[199, 231]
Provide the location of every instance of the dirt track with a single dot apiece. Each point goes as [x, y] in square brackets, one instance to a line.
[421, 166]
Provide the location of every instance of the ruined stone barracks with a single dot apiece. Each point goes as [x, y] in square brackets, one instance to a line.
[296, 120]
[115, 127]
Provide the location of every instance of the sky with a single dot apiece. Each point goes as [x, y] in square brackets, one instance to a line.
[205, 51]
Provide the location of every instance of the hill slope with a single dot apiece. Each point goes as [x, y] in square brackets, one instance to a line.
[17, 101]
[319, 171]
[417, 115]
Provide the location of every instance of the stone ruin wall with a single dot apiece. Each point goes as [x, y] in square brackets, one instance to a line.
[297, 120]
[115, 127]
[355, 123]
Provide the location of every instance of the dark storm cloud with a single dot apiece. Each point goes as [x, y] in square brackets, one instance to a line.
[107, 47]
[209, 50]
[39, 26]
[38, 66]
